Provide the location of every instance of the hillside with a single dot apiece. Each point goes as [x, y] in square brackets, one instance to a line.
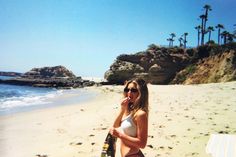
[219, 66]
[213, 69]
[157, 65]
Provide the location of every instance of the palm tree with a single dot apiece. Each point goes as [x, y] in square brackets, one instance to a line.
[180, 41]
[202, 28]
[224, 35]
[209, 30]
[169, 39]
[204, 18]
[207, 8]
[219, 27]
[230, 38]
[185, 41]
[172, 42]
[172, 39]
[198, 28]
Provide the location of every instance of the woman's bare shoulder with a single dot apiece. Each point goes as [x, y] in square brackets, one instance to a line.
[140, 113]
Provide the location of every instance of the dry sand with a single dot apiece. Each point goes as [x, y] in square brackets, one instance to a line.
[180, 123]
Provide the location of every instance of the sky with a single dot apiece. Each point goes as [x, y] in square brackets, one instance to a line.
[86, 36]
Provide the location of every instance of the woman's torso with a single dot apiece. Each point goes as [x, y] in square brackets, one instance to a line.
[128, 126]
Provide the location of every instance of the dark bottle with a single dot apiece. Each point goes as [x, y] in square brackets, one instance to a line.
[109, 146]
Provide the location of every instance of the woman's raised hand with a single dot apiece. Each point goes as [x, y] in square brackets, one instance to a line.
[125, 103]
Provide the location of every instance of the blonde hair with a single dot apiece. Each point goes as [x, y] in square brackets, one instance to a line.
[142, 100]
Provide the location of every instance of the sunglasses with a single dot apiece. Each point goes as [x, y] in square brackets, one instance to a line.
[132, 90]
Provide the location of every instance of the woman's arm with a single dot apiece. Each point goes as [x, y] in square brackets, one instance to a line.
[118, 119]
[123, 110]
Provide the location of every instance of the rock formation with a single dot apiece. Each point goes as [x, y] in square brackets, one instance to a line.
[206, 64]
[49, 72]
[156, 65]
[11, 74]
[58, 77]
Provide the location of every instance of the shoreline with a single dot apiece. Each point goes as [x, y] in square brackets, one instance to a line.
[181, 120]
[48, 100]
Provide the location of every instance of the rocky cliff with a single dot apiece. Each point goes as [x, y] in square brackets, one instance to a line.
[205, 64]
[157, 65]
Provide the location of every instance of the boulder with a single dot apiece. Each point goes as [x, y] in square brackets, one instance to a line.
[157, 66]
[120, 71]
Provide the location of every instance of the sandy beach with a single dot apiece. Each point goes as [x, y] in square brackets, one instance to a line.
[181, 120]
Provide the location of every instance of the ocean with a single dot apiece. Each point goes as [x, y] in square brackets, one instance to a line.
[15, 99]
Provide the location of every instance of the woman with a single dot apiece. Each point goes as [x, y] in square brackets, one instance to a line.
[131, 124]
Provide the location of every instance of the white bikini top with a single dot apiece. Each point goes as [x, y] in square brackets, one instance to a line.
[128, 126]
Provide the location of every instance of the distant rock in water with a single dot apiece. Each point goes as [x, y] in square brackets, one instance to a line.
[58, 77]
[157, 65]
[12, 74]
[49, 72]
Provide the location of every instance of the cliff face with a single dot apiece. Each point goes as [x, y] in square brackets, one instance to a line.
[206, 64]
[217, 68]
[156, 65]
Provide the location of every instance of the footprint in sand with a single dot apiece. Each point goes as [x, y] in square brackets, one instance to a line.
[38, 155]
[162, 147]
[223, 132]
[61, 131]
[169, 147]
[192, 154]
[102, 128]
[186, 109]
[150, 146]
[150, 136]
[161, 126]
[172, 136]
[76, 144]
